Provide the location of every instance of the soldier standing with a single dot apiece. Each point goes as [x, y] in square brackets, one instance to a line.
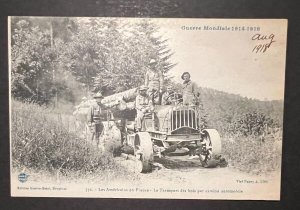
[154, 82]
[188, 89]
[144, 106]
[94, 120]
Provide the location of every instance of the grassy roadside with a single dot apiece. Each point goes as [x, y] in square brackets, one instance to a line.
[41, 144]
[251, 155]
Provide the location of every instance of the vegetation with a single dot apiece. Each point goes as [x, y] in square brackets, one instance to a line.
[56, 61]
[231, 113]
[251, 130]
[41, 143]
[61, 58]
[251, 155]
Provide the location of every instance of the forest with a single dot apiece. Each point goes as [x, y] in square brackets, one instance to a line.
[66, 58]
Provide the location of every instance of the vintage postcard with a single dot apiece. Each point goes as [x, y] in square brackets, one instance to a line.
[146, 107]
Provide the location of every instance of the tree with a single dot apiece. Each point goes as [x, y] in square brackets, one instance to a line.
[31, 61]
[111, 55]
[37, 52]
[101, 54]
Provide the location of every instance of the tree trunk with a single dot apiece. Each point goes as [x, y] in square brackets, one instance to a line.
[53, 69]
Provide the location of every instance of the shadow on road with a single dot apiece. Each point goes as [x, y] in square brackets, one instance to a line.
[178, 162]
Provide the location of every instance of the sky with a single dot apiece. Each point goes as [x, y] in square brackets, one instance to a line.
[223, 60]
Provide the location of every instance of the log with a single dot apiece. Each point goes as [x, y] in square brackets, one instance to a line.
[120, 101]
[127, 96]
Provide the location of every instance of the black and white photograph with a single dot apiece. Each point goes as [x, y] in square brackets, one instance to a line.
[168, 108]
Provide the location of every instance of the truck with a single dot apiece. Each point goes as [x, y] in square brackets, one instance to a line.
[168, 130]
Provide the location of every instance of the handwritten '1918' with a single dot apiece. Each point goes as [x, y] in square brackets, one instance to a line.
[267, 42]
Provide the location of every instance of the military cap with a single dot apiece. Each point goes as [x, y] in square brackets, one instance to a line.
[98, 95]
[184, 74]
[143, 87]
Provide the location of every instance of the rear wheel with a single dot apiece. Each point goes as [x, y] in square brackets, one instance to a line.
[211, 147]
[143, 150]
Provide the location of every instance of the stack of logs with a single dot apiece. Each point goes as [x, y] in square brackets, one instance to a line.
[123, 100]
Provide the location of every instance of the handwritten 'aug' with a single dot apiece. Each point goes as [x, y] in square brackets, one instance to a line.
[267, 40]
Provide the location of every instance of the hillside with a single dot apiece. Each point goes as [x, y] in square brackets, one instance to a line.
[228, 112]
[223, 108]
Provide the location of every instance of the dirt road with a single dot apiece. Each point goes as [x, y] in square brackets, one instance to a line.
[188, 179]
[176, 177]
[180, 169]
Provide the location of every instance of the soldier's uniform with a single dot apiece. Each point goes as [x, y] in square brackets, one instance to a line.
[188, 91]
[154, 82]
[143, 105]
[94, 120]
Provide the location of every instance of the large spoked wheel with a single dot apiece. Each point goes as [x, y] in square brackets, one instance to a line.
[143, 151]
[211, 147]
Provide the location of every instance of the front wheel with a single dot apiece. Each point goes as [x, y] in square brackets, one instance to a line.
[211, 147]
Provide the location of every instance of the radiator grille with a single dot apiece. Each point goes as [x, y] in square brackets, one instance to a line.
[183, 118]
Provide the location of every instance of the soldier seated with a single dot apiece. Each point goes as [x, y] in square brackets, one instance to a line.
[144, 107]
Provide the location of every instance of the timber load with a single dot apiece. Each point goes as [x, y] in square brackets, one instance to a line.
[123, 100]
[127, 96]
[119, 101]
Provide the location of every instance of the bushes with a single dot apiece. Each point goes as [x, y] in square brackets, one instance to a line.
[251, 124]
[250, 144]
[251, 155]
[40, 142]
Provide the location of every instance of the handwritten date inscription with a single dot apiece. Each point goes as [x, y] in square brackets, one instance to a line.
[265, 42]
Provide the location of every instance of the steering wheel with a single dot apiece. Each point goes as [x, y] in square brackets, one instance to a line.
[176, 98]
